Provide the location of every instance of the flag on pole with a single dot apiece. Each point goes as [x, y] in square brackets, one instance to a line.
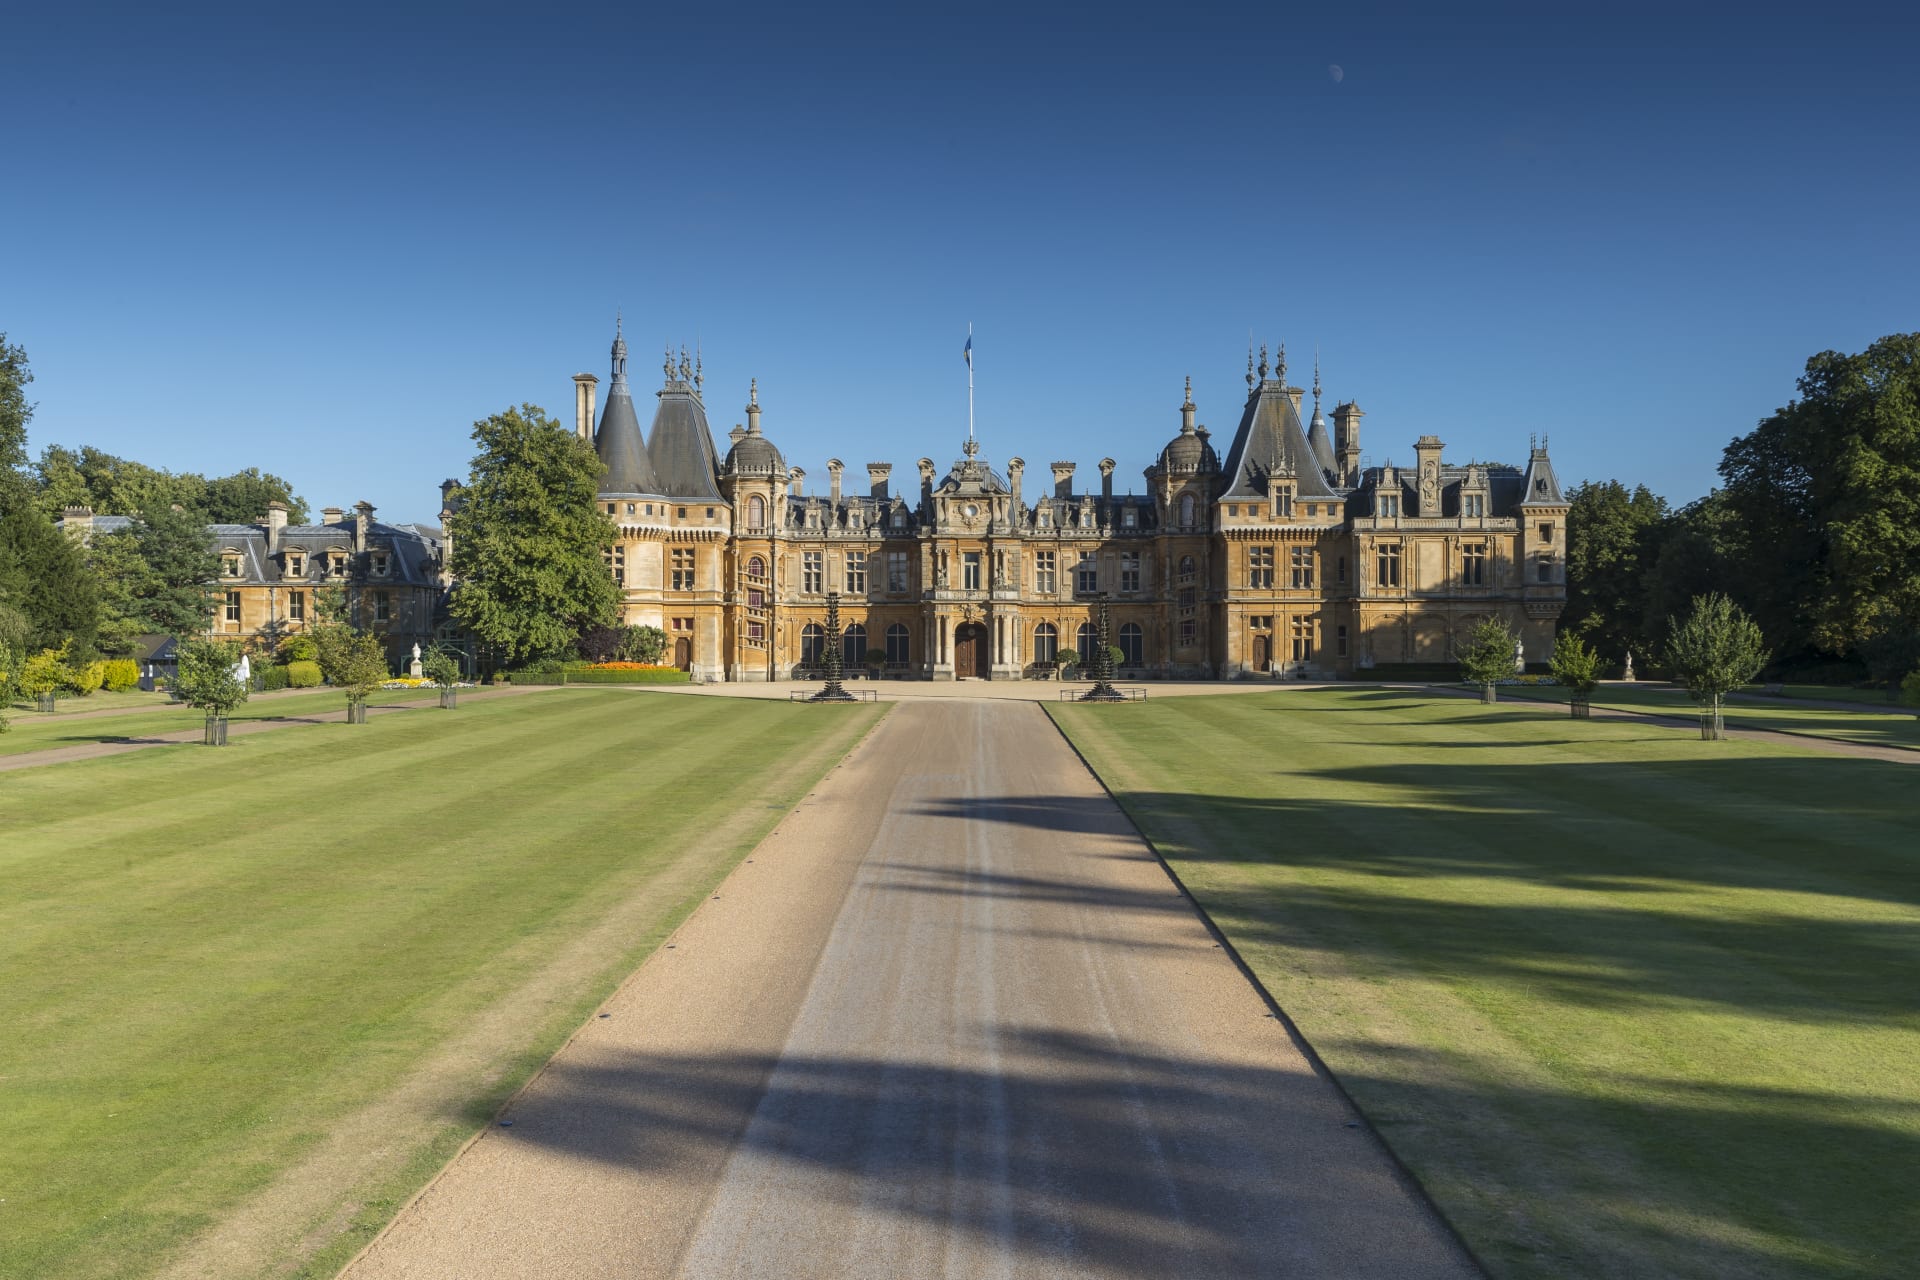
[968, 352]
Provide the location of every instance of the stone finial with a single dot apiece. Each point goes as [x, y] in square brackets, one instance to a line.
[1263, 362]
[1249, 362]
[1280, 364]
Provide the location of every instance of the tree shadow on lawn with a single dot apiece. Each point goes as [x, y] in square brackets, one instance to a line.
[1093, 1156]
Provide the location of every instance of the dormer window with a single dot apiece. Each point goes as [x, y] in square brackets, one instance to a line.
[336, 564]
[1283, 503]
[230, 564]
[1129, 518]
[899, 519]
[380, 564]
[296, 564]
[1473, 505]
[1390, 505]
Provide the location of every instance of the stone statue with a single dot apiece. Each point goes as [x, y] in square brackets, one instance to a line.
[1629, 664]
[413, 668]
[1519, 657]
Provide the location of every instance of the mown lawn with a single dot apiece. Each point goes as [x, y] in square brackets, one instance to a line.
[212, 961]
[37, 731]
[1875, 725]
[1629, 1003]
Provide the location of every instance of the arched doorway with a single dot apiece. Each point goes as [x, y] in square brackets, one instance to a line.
[970, 655]
[1262, 651]
[683, 652]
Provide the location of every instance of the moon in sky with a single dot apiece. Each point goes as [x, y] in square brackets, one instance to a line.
[1337, 73]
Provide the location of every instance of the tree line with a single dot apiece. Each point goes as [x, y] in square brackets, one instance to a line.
[1814, 532]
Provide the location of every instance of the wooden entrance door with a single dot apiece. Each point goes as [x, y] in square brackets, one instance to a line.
[970, 655]
[683, 652]
[1262, 651]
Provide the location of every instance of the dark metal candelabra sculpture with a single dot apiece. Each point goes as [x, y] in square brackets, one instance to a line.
[834, 690]
[1103, 690]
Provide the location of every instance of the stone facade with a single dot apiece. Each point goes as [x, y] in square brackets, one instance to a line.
[393, 578]
[1290, 556]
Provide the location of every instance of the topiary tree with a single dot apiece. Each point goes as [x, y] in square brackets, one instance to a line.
[120, 675]
[43, 676]
[876, 659]
[1578, 668]
[1487, 656]
[206, 679]
[1715, 651]
[354, 662]
[443, 669]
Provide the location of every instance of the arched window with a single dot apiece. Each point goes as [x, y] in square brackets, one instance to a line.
[813, 645]
[756, 512]
[756, 567]
[1046, 643]
[1084, 643]
[1186, 567]
[1186, 511]
[898, 652]
[756, 580]
[853, 645]
[1132, 646]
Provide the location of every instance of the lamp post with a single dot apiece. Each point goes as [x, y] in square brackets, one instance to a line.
[834, 691]
[1103, 690]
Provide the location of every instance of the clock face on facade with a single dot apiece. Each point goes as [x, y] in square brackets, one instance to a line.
[971, 510]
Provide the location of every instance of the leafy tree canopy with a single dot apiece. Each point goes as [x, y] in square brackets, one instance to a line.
[355, 662]
[15, 410]
[1613, 538]
[155, 576]
[206, 678]
[529, 541]
[1487, 655]
[1574, 664]
[44, 577]
[117, 486]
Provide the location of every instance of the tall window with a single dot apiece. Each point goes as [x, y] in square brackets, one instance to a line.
[898, 645]
[1546, 569]
[1130, 570]
[1303, 639]
[1390, 505]
[682, 579]
[380, 563]
[1388, 564]
[970, 570]
[1043, 573]
[297, 605]
[233, 606]
[1473, 505]
[896, 573]
[756, 512]
[616, 558]
[1186, 633]
[1046, 643]
[296, 565]
[1340, 640]
[853, 646]
[1283, 502]
[1186, 511]
[813, 645]
[1186, 586]
[383, 606]
[1260, 566]
[1301, 567]
[813, 572]
[1086, 576]
[757, 633]
[1132, 645]
[857, 577]
[1343, 568]
[1546, 533]
[1473, 564]
[756, 579]
[1083, 641]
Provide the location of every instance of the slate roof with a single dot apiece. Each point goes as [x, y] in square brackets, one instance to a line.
[1541, 487]
[1270, 433]
[630, 471]
[681, 445]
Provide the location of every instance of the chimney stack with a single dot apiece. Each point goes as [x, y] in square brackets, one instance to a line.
[362, 521]
[276, 522]
[834, 468]
[926, 480]
[799, 485]
[583, 385]
[1346, 440]
[1063, 479]
[877, 473]
[1106, 479]
[1016, 467]
[331, 515]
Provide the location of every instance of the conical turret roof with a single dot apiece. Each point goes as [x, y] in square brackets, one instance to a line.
[629, 470]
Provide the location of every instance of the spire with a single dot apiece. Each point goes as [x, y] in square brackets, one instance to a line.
[1249, 362]
[1186, 401]
[699, 376]
[619, 358]
[1316, 379]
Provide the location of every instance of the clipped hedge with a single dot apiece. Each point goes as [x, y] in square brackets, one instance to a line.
[120, 675]
[303, 675]
[85, 678]
[580, 673]
[272, 677]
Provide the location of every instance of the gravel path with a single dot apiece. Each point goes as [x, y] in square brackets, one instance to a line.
[950, 1019]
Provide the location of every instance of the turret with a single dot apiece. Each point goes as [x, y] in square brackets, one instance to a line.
[1346, 441]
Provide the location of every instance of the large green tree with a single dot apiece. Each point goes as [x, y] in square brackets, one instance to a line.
[155, 576]
[15, 409]
[1613, 537]
[43, 575]
[242, 498]
[1827, 489]
[529, 541]
[1714, 650]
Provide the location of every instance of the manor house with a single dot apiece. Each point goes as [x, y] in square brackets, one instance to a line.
[1287, 556]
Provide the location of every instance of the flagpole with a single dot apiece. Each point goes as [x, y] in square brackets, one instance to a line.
[969, 381]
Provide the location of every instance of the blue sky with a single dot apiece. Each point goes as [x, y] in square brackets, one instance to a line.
[324, 242]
